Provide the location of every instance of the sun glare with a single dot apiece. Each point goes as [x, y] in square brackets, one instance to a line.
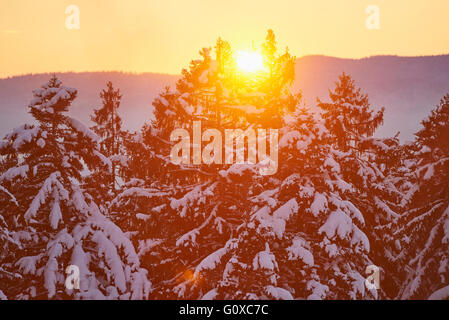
[249, 61]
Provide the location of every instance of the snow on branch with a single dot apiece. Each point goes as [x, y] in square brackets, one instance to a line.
[82, 129]
[11, 196]
[45, 190]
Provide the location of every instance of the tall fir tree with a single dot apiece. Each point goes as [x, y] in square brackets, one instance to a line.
[108, 126]
[349, 115]
[206, 203]
[371, 165]
[424, 233]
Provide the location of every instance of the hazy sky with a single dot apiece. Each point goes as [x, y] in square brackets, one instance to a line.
[164, 35]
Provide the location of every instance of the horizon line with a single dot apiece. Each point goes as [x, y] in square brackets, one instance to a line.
[133, 72]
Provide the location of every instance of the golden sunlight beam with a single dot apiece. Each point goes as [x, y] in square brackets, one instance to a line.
[249, 61]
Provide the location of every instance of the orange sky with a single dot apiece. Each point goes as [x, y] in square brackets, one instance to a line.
[164, 35]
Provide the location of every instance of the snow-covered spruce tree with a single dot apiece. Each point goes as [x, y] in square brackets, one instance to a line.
[384, 202]
[60, 223]
[108, 126]
[304, 239]
[196, 97]
[349, 115]
[424, 234]
[209, 202]
[108, 123]
[371, 166]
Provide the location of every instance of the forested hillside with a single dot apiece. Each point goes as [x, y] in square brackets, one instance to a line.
[301, 214]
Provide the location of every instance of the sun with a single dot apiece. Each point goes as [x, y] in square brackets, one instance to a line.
[249, 61]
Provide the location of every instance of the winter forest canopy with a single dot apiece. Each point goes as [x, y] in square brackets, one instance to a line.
[138, 226]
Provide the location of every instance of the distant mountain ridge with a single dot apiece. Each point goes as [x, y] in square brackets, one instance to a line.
[408, 87]
[138, 92]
